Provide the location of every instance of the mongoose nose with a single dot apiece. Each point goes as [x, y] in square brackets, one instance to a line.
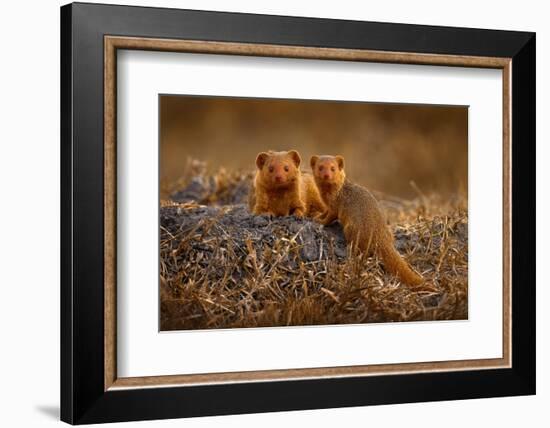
[326, 176]
[278, 178]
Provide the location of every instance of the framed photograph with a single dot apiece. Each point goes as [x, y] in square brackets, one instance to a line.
[266, 213]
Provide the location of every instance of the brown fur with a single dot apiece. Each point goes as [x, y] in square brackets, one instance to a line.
[360, 215]
[281, 189]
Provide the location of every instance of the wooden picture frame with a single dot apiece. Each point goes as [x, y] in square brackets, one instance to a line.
[91, 391]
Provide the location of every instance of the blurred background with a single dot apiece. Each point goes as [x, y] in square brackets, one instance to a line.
[386, 146]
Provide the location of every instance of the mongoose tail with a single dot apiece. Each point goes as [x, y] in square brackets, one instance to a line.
[396, 265]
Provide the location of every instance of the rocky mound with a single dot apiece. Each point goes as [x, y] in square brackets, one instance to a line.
[223, 267]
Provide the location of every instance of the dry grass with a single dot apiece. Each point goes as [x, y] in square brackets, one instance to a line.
[224, 268]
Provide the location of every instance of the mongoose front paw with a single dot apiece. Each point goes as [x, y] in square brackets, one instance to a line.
[319, 218]
[298, 212]
[324, 219]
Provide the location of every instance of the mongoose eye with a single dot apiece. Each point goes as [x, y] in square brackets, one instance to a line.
[332, 169]
[271, 169]
[320, 168]
[286, 168]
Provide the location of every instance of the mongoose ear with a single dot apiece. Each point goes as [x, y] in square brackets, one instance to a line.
[295, 156]
[313, 161]
[340, 161]
[260, 159]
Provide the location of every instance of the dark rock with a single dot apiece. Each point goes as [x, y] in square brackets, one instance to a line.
[433, 300]
[310, 248]
[404, 242]
[239, 225]
[260, 221]
[462, 231]
[235, 194]
[199, 189]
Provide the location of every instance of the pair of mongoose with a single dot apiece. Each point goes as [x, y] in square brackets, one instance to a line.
[281, 189]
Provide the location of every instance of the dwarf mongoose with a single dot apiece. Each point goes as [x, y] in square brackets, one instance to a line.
[281, 189]
[360, 215]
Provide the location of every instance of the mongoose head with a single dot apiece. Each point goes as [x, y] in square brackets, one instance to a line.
[328, 170]
[278, 169]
